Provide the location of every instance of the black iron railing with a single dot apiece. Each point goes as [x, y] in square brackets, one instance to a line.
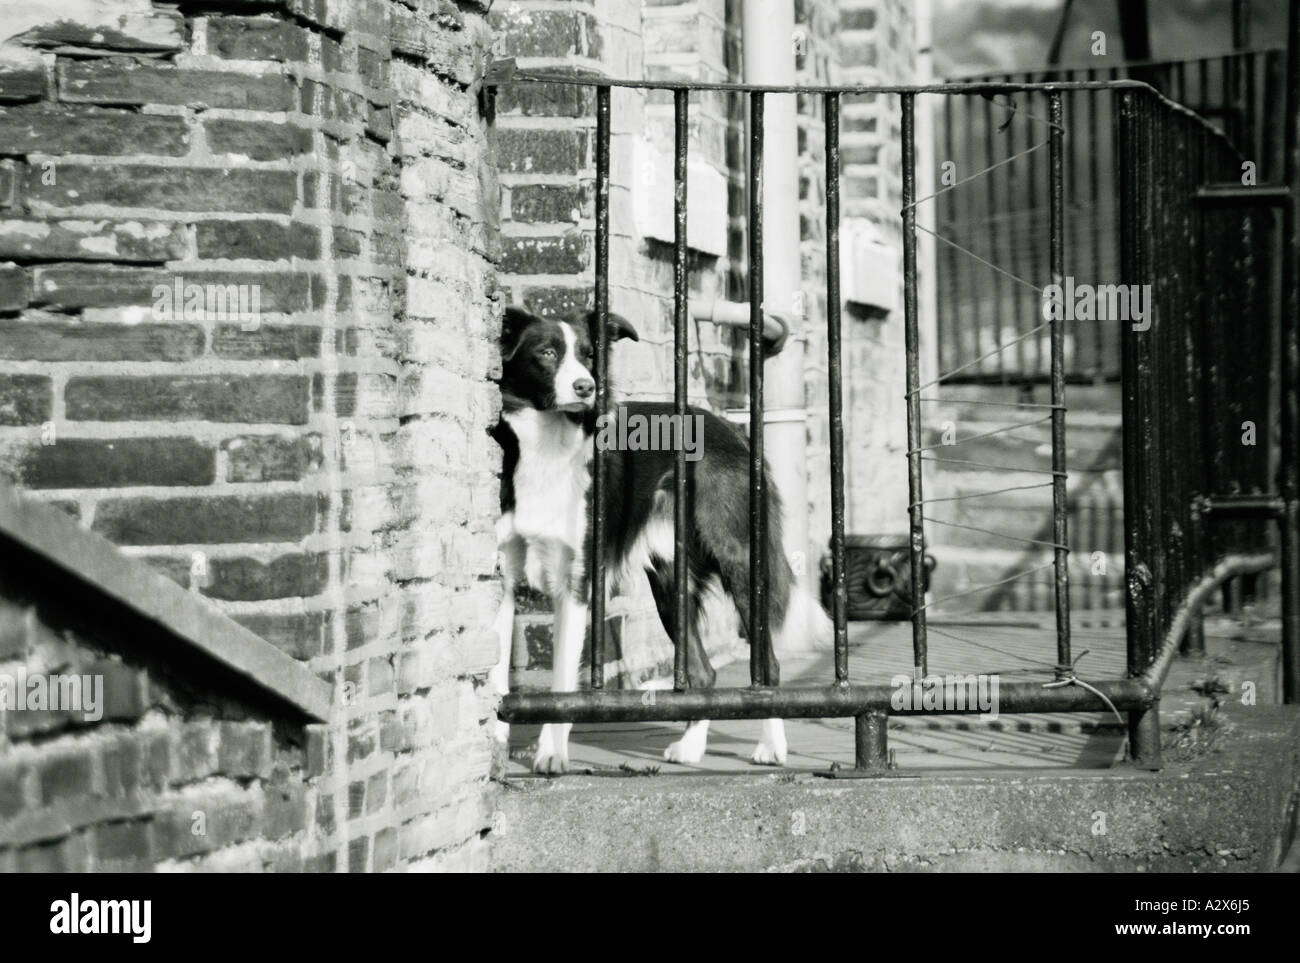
[1165, 152]
[1007, 222]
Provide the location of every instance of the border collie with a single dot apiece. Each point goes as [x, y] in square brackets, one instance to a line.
[546, 432]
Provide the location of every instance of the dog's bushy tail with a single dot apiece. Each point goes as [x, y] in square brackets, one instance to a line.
[806, 626]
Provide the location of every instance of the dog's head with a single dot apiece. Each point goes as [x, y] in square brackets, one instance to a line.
[548, 364]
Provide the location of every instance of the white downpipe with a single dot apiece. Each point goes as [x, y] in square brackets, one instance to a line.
[767, 34]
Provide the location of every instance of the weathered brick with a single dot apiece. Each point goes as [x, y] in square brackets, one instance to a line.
[65, 775]
[527, 32]
[566, 254]
[254, 399]
[545, 100]
[255, 239]
[249, 580]
[125, 690]
[95, 463]
[120, 763]
[171, 188]
[299, 635]
[67, 129]
[284, 809]
[118, 80]
[25, 80]
[25, 399]
[256, 458]
[92, 240]
[284, 517]
[149, 31]
[539, 151]
[123, 842]
[358, 853]
[546, 203]
[256, 38]
[258, 140]
[14, 630]
[385, 855]
[244, 749]
[557, 302]
[56, 341]
[15, 288]
[173, 834]
[95, 286]
[285, 342]
[9, 181]
[13, 798]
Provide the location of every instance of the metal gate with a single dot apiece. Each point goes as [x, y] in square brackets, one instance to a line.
[1170, 373]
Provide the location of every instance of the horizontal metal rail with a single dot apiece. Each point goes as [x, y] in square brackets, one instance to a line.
[833, 701]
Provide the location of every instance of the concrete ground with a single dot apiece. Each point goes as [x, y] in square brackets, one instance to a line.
[1017, 646]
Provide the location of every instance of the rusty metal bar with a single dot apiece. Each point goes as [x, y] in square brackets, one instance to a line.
[1289, 469]
[803, 702]
[1140, 521]
[681, 332]
[600, 471]
[1060, 506]
[871, 741]
[835, 371]
[757, 627]
[912, 347]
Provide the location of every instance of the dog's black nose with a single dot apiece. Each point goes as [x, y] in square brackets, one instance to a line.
[584, 387]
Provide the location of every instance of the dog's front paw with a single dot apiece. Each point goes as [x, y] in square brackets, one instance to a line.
[683, 751]
[771, 748]
[690, 747]
[765, 755]
[552, 756]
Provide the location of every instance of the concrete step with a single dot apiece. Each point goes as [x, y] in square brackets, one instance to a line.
[1241, 764]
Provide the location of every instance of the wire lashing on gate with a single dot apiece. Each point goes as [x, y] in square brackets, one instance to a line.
[1069, 677]
[1014, 109]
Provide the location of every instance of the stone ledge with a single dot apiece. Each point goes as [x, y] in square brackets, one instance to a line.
[1173, 820]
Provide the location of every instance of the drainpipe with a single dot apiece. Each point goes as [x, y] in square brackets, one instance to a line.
[767, 33]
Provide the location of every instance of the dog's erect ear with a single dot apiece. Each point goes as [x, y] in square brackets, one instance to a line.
[618, 327]
[513, 323]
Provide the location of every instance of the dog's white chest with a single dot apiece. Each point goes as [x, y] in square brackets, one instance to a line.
[551, 479]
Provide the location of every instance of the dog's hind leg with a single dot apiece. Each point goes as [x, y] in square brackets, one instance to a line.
[569, 631]
[771, 749]
[700, 673]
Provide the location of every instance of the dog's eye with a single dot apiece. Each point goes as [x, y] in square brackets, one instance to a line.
[548, 354]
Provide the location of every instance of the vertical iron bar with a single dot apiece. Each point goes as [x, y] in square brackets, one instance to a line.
[1289, 420]
[1095, 222]
[913, 350]
[1014, 210]
[839, 590]
[757, 496]
[599, 470]
[991, 225]
[949, 322]
[681, 332]
[1135, 226]
[1060, 507]
[871, 741]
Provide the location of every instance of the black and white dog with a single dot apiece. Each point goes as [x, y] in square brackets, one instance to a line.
[546, 432]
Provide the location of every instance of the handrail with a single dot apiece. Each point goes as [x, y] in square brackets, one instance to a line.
[133, 584]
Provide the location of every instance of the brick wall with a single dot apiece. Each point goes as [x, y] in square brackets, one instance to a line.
[321, 471]
[877, 44]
